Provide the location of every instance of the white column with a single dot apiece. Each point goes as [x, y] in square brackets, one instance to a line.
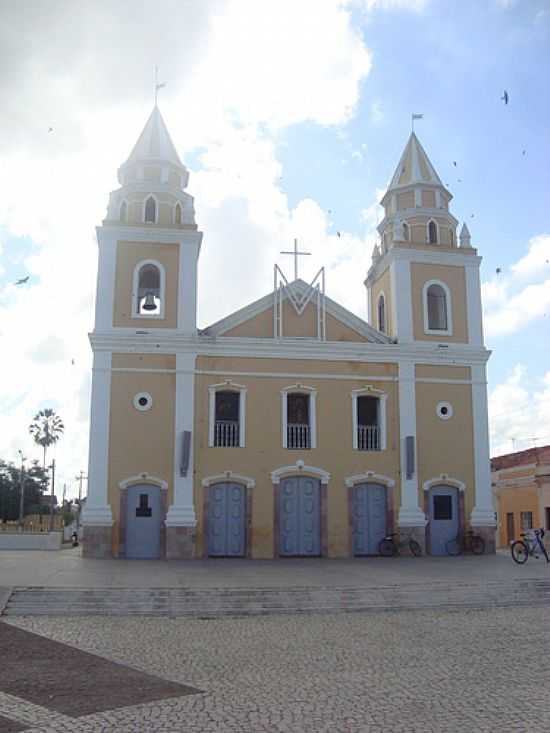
[483, 513]
[410, 514]
[473, 303]
[187, 283]
[182, 510]
[105, 292]
[97, 510]
[400, 276]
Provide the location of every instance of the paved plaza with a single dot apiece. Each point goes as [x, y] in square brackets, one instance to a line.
[405, 672]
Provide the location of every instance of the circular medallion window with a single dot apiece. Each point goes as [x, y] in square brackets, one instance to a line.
[444, 410]
[143, 401]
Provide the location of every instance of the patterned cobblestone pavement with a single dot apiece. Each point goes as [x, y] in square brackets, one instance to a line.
[405, 672]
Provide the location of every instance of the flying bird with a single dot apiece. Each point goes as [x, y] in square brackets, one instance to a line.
[505, 97]
[523, 152]
[471, 216]
[498, 270]
[22, 281]
[338, 234]
[50, 129]
[454, 163]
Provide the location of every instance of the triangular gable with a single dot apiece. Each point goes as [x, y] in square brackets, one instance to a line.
[256, 320]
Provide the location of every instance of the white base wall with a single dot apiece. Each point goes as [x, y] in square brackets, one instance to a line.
[30, 540]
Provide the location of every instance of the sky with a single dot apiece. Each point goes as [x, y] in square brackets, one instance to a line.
[291, 117]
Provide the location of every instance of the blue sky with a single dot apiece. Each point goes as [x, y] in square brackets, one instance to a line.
[292, 118]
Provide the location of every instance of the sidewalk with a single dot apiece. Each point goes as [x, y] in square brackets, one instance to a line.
[67, 569]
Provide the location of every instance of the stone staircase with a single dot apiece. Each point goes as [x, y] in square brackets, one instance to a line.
[209, 603]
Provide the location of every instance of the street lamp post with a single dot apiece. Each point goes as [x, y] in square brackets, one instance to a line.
[21, 491]
[52, 495]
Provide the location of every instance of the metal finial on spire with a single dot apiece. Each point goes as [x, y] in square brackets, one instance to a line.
[157, 85]
[296, 255]
[413, 118]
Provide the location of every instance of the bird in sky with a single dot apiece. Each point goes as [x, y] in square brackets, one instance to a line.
[505, 97]
[338, 234]
[22, 281]
[523, 152]
[498, 270]
[50, 129]
[454, 163]
[471, 216]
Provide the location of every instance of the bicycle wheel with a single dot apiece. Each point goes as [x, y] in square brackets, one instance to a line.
[454, 547]
[387, 548]
[415, 548]
[520, 552]
[478, 545]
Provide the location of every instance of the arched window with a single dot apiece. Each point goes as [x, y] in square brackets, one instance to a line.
[451, 238]
[151, 210]
[123, 215]
[177, 214]
[405, 232]
[382, 313]
[149, 290]
[432, 232]
[437, 308]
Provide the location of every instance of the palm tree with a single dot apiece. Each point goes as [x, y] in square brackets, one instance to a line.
[46, 429]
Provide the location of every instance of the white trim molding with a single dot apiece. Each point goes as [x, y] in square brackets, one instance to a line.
[448, 308]
[369, 391]
[143, 478]
[299, 389]
[301, 469]
[444, 479]
[137, 401]
[227, 386]
[369, 476]
[135, 290]
[207, 481]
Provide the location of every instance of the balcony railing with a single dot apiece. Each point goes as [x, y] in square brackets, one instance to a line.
[298, 436]
[226, 434]
[368, 437]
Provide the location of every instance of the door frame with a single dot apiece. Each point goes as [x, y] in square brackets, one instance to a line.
[144, 479]
[228, 478]
[450, 483]
[300, 470]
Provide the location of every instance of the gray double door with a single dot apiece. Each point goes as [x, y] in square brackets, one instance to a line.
[300, 517]
[227, 520]
[369, 512]
[143, 522]
[443, 518]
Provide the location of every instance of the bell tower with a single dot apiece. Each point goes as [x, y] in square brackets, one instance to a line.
[143, 342]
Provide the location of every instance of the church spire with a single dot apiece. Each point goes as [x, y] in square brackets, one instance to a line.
[414, 167]
[154, 144]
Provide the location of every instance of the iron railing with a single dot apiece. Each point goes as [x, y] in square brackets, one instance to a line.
[226, 433]
[368, 437]
[298, 436]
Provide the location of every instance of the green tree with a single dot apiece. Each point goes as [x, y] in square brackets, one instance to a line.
[46, 429]
[36, 481]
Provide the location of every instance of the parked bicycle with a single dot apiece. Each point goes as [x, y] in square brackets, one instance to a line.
[465, 542]
[531, 544]
[390, 547]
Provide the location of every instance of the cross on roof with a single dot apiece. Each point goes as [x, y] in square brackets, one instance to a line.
[296, 255]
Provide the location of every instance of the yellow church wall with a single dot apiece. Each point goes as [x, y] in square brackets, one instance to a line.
[261, 326]
[140, 442]
[405, 200]
[428, 199]
[127, 257]
[454, 278]
[382, 285]
[445, 446]
[431, 371]
[264, 452]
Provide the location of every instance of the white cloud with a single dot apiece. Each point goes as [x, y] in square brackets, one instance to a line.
[416, 6]
[376, 112]
[237, 73]
[515, 297]
[519, 412]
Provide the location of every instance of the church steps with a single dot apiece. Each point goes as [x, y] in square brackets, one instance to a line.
[247, 602]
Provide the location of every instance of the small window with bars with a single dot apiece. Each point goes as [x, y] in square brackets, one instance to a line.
[526, 519]
[368, 423]
[298, 427]
[227, 420]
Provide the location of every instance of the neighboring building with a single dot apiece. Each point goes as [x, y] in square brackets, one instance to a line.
[521, 485]
[291, 427]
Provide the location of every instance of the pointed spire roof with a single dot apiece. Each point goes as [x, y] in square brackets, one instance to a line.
[155, 142]
[414, 166]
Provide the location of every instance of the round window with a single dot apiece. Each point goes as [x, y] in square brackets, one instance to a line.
[143, 401]
[444, 410]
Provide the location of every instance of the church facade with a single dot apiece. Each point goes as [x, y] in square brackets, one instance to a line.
[292, 427]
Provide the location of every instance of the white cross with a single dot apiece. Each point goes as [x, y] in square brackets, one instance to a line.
[296, 255]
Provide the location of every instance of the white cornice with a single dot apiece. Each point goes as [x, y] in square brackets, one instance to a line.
[168, 341]
[150, 233]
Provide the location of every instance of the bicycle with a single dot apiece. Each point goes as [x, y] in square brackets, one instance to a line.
[389, 547]
[531, 542]
[465, 542]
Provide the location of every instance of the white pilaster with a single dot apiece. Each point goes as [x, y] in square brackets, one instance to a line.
[182, 511]
[483, 513]
[187, 283]
[97, 510]
[105, 292]
[400, 276]
[410, 514]
[473, 303]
